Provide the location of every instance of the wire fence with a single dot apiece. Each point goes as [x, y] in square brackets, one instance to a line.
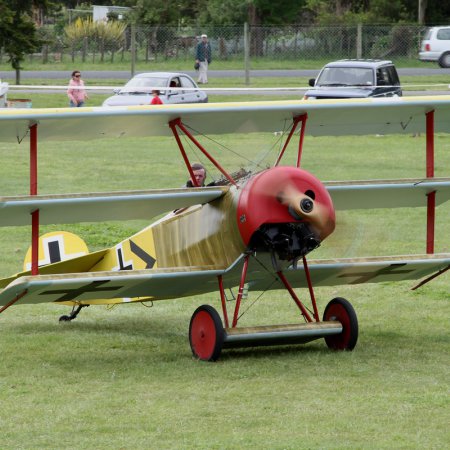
[160, 43]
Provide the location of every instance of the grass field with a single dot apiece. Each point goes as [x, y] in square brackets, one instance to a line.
[124, 378]
[187, 64]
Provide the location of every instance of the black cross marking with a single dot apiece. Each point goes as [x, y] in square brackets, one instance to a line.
[141, 253]
[54, 251]
[72, 294]
[367, 276]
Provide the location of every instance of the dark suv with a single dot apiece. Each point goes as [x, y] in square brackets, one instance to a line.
[355, 78]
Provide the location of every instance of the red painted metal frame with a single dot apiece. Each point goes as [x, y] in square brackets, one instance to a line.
[178, 123]
[431, 215]
[172, 125]
[34, 191]
[14, 300]
[241, 291]
[302, 118]
[432, 277]
[431, 197]
[311, 290]
[223, 301]
[294, 297]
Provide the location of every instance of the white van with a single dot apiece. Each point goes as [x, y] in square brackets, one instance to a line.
[436, 46]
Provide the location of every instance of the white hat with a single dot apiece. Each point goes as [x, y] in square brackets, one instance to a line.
[204, 35]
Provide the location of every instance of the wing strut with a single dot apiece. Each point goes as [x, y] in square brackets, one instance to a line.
[34, 191]
[431, 197]
[286, 284]
[301, 118]
[178, 123]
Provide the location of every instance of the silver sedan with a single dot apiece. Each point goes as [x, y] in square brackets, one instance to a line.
[173, 87]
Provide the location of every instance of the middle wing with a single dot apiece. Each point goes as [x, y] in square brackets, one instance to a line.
[387, 193]
[98, 207]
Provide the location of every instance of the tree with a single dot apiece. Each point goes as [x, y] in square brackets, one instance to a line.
[17, 30]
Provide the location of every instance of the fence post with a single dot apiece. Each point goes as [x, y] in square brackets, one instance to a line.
[246, 54]
[133, 48]
[359, 41]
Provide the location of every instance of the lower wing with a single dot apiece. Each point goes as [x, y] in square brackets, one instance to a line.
[160, 284]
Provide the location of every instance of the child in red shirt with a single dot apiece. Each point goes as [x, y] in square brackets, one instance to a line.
[156, 100]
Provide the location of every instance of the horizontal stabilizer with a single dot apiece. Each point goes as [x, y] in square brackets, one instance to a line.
[80, 264]
[98, 207]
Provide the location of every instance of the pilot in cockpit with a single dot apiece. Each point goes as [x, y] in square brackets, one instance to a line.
[199, 174]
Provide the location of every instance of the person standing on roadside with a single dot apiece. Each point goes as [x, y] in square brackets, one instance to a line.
[203, 58]
[76, 93]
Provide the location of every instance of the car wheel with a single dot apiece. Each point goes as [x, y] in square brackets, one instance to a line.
[444, 60]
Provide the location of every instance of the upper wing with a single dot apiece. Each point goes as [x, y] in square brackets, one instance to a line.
[95, 207]
[325, 117]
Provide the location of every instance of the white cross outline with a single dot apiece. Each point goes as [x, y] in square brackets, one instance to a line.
[59, 238]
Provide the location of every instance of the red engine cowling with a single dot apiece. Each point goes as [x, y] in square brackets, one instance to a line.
[286, 210]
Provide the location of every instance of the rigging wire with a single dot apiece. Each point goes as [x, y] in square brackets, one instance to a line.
[272, 282]
[275, 279]
[255, 163]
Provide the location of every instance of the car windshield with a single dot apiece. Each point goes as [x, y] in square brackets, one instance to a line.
[345, 76]
[144, 84]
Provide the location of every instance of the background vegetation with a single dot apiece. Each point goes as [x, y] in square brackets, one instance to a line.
[54, 31]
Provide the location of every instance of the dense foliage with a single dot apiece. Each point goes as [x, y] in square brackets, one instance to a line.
[18, 31]
[26, 26]
[282, 12]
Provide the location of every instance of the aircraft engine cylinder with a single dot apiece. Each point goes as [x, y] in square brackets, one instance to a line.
[286, 210]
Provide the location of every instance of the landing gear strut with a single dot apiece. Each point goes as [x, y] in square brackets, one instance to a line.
[74, 313]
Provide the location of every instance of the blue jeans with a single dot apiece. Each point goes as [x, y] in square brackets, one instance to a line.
[80, 104]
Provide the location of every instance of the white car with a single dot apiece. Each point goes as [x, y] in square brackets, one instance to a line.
[173, 87]
[436, 46]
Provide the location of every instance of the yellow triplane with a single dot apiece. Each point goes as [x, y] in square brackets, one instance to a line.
[250, 230]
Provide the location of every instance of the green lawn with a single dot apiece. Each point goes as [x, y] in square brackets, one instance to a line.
[184, 64]
[124, 378]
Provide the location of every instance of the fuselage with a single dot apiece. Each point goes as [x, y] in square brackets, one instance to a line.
[284, 210]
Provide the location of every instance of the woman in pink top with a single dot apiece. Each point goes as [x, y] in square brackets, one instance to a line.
[77, 95]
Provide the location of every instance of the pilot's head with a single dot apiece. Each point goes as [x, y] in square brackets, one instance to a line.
[199, 173]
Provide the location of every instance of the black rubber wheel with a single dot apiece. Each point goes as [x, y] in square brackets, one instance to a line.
[341, 310]
[64, 319]
[206, 333]
[444, 60]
